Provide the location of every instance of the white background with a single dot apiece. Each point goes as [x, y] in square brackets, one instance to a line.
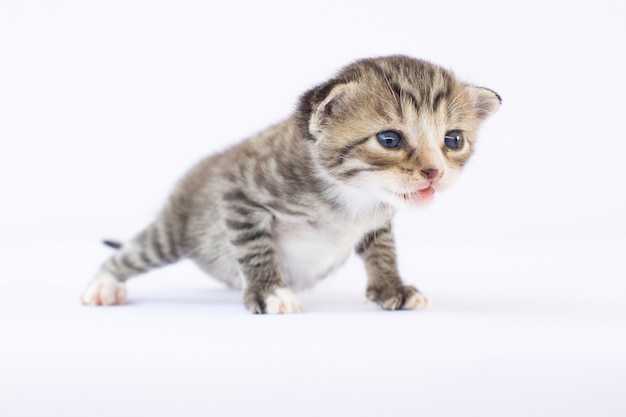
[104, 105]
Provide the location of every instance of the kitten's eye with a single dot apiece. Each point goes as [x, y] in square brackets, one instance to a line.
[454, 139]
[389, 139]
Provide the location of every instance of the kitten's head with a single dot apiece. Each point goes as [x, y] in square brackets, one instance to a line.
[395, 127]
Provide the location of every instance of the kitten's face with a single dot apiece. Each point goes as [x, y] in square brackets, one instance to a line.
[397, 128]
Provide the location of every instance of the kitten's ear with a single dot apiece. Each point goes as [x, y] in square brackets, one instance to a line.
[486, 101]
[333, 105]
[323, 105]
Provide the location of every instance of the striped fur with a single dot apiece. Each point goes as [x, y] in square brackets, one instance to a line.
[285, 208]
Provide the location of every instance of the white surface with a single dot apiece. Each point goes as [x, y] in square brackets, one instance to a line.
[532, 328]
[103, 105]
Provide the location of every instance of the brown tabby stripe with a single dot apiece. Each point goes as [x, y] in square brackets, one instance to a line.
[371, 237]
[238, 196]
[127, 263]
[173, 243]
[150, 247]
[346, 150]
[147, 260]
[159, 247]
[247, 237]
[440, 96]
[256, 259]
[236, 225]
[354, 171]
[282, 208]
[403, 93]
[147, 247]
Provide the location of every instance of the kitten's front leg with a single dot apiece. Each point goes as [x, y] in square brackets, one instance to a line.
[384, 286]
[264, 290]
[250, 233]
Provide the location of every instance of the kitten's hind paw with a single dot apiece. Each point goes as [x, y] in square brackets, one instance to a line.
[105, 290]
[278, 301]
[405, 298]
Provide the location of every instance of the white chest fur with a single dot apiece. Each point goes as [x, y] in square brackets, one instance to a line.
[308, 252]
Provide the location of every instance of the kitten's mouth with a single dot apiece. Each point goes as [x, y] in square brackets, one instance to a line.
[419, 196]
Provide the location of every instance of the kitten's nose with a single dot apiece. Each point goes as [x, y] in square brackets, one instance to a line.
[431, 174]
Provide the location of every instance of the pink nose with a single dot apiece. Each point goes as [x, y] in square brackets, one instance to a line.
[431, 174]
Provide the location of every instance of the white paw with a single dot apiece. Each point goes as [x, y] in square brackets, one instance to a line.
[282, 301]
[416, 301]
[105, 290]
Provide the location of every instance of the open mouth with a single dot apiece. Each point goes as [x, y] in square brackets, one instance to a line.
[417, 196]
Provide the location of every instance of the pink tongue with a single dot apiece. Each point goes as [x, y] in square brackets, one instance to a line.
[426, 193]
[422, 195]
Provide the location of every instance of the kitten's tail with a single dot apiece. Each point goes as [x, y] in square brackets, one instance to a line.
[112, 243]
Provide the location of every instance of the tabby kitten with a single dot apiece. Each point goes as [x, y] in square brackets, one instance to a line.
[285, 208]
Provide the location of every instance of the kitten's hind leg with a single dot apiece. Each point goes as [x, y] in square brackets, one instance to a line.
[154, 247]
[104, 290]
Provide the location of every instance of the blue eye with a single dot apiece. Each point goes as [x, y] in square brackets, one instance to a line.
[454, 139]
[389, 139]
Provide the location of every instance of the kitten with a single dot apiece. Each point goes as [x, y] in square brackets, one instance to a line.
[285, 208]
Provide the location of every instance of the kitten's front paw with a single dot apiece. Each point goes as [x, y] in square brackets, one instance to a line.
[104, 291]
[278, 301]
[393, 298]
